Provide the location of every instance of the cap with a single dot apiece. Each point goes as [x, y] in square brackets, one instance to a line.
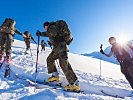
[45, 24]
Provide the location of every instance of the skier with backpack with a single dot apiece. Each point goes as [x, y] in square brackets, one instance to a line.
[60, 37]
[124, 55]
[7, 30]
[27, 40]
[43, 44]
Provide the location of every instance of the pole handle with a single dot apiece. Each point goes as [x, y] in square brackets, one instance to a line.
[101, 46]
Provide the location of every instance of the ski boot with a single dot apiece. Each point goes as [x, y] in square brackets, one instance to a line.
[27, 51]
[8, 60]
[53, 79]
[74, 87]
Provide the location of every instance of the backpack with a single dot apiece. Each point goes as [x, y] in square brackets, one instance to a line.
[8, 26]
[64, 31]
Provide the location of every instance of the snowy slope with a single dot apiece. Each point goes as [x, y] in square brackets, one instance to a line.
[87, 69]
[98, 55]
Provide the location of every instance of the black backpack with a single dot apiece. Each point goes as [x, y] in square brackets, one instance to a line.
[8, 26]
[63, 30]
[8, 23]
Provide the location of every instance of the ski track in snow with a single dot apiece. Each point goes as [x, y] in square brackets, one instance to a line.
[22, 65]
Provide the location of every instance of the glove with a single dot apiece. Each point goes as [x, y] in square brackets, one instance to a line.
[38, 33]
[24, 36]
[102, 51]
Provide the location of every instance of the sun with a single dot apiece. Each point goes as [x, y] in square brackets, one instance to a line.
[122, 39]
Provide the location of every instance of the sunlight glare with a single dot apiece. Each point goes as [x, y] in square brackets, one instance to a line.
[122, 39]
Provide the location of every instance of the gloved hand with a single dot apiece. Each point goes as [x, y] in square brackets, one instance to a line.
[24, 36]
[38, 33]
[101, 51]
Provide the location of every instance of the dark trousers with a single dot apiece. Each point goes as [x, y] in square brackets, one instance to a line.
[127, 70]
[6, 41]
[64, 64]
[43, 48]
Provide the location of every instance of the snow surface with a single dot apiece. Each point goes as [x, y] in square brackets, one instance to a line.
[109, 80]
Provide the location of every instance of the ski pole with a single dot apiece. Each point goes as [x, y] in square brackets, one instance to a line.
[23, 48]
[100, 62]
[37, 58]
[31, 54]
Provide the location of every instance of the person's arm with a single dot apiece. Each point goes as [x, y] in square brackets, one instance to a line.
[108, 55]
[51, 32]
[45, 34]
[18, 32]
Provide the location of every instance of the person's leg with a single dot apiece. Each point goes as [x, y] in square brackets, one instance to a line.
[51, 66]
[69, 73]
[126, 70]
[66, 67]
[28, 44]
[44, 48]
[2, 46]
[9, 42]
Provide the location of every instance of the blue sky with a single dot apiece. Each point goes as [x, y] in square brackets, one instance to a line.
[91, 22]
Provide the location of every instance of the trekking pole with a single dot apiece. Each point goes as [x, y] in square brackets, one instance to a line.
[23, 48]
[100, 62]
[31, 54]
[37, 58]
